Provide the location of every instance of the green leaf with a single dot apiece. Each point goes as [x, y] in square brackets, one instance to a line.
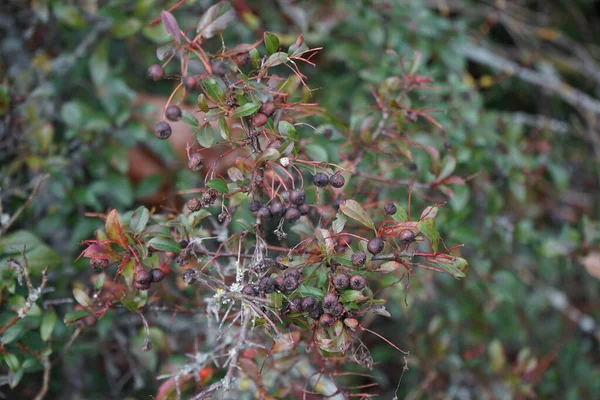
[355, 211]
[123, 28]
[224, 129]
[448, 166]
[401, 214]
[215, 19]
[218, 184]
[306, 290]
[351, 295]
[389, 266]
[47, 325]
[456, 267]
[164, 244]
[206, 135]
[72, 114]
[269, 154]
[75, 315]
[276, 59]
[287, 129]
[245, 110]
[338, 224]
[213, 90]
[38, 254]
[316, 152]
[325, 241]
[12, 361]
[189, 118]
[82, 297]
[429, 212]
[12, 333]
[271, 42]
[427, 227]
[202, 103]
[139, 219]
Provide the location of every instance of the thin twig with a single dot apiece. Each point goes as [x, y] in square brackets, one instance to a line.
[14, 217]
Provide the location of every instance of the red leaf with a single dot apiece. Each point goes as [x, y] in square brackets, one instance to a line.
[170, 24]
[114, 230]
[99, 250]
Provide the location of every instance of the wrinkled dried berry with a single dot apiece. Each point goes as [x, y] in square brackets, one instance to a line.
[337, 310]
[341, 281]
[326, 320]
[254, 205]
[156, 275]
[156, 72]
[173, 113]
[279, 284]
[266, 284]
[277, 209]
[267, 108]
[259, 119]
[316, 312]
[195, 161]
[297, 197]
[249, 291]
[263, 213]
[162, 130]
[194, 204]
[98, 264]
[330, 299]
[293, 273]
[321, 180]
[406, 236]
[219, 68]
[358, 282]
[190, 83]
[189, 276]
[209, 197]
[304, 209]
[295, 306]
[359, 258]
[308, 303]
[242, 59]
[390, 208]
[375, 246]
[290, 283]
[292, 214]
[337, 180]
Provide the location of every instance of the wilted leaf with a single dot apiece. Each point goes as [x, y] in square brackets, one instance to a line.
[269, 154]
[99, 250]
[215, 19]
[325, 241]
[355, 211]
[389, 266]
[429, 212]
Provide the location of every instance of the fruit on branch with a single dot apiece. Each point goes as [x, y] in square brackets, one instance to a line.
[248, 290]
[277, 209]
[267, 108]
[266, 284]
[330, 299]
[292, 214]
[321, 180]
[242, 59]
[219, 68]
[341, 281]
[254, 205]
[326, 320]
[98, 264]
[337, 180]
[406, 236]
[337, 309]
[358, 282]
[316, 312]
[375, 245]
[156, 275]
[142, 278]
[259, 119]
[359, 258]
[264, 213]
[295, 306]
[194, 204]
[190, 83]
[308, 304]
[156, 72]
[303, 209]
[173, 113]
[297, 197]
[162, 130]
[390, 208]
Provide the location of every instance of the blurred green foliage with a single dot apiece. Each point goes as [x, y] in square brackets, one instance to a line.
[513, 327]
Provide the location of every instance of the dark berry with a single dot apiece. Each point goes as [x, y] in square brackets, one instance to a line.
[266, 284]
[294, 273]
[321, 180]
[242, 59]
[259, 119]
[390, 208]
[406, 236]
[209, 197]
[341, 281]
[189, 276]
[220, 68]
[277, 209]
[249, 290]
[337, 180]
[304, 209]
[196, 161]
[330, 299]
[267, 108]
[190, 83]
[375, 246]
[194, 204]
[156, 275]
[292, 214]
[254, 205]
[183, 243]
[263, 213]
[141, 279]
[327, 132]
[326, 320]
[337, 309]
[290, 283]
[279, 284]
[316, 312]
[359, 258]
[162, 130]
[358, 282]
[98, 264]
[173, 113]
[156, 72]
[412, 167]
[308, 304]
[447, 144]
[295, 306]
[297, 197]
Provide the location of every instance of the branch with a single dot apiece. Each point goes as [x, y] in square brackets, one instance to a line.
[14, 217]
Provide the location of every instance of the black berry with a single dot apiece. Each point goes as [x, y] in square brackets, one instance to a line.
[337, 180]
[326, 320]
[156, 275]
[358, 282]
[266, 284]
[294, 273]
[189, 276]
[330, 299]
[173, 113]
[141, 279]
[407, 236]
[290, 283]
[292, 214]
[279, 284]
[390, 208]
[295, 306]
[242, 59]
[303, 209]
[297, 197]
[337, 310]
[190, 83]
[220, 68]
[263, 213]
[156, 72]
[316, 312]
[183, 243]
[341, 281]
[194, 204]
[277, 209]
[321, 180]
[375, 246]
[359, 258]
[254, 205]
[98, 264]
[249, 290]
[308, 304]
[162, 130]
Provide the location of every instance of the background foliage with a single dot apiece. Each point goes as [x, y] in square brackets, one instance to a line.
[522, 323]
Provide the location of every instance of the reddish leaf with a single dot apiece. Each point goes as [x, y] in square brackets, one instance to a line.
[170, 24]
[99, 250]
[114, 230]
